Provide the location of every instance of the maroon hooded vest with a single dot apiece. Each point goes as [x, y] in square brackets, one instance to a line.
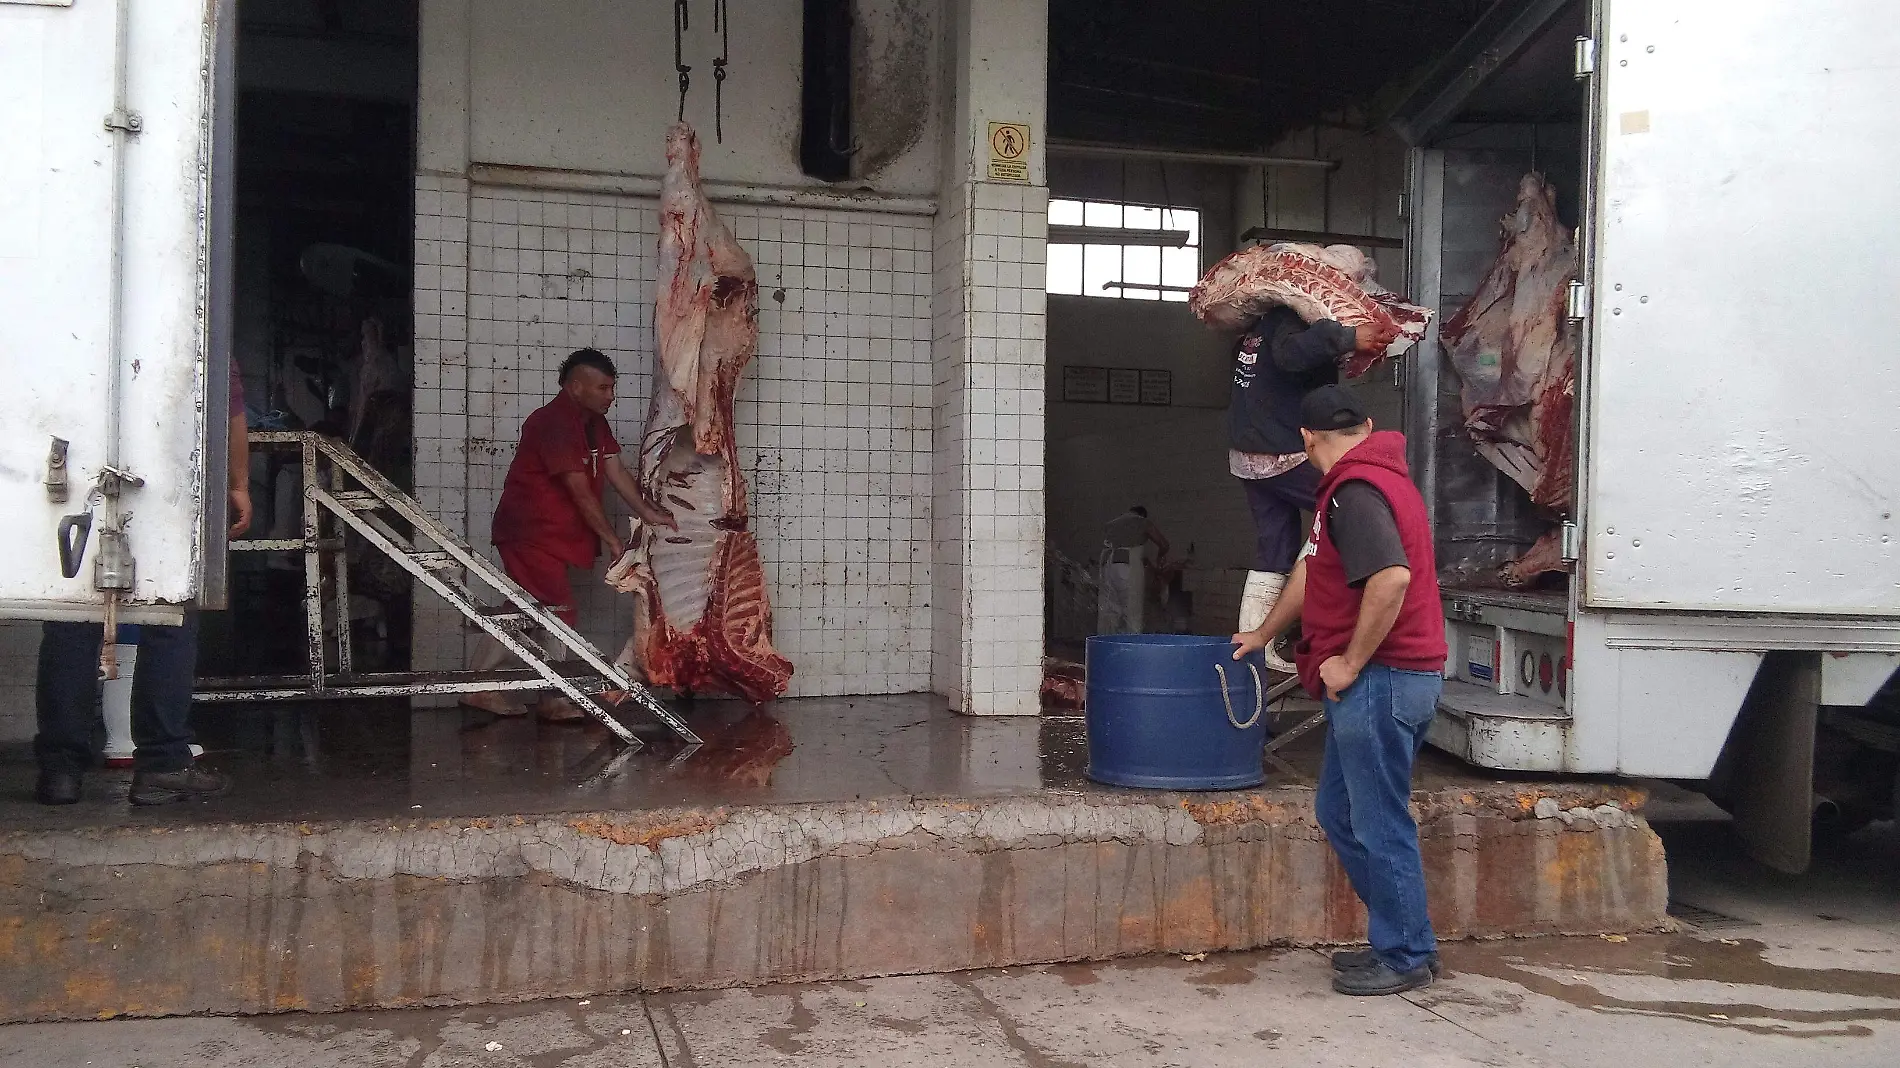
[1417, 639]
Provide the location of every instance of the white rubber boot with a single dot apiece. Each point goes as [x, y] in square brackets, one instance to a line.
[1257, 599]
[115, 702]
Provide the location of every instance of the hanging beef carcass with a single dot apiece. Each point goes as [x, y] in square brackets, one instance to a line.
[1515, 358]
[701, 620]
[1335, 282]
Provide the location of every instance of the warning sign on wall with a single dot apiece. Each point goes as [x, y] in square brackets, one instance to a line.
[1009, 152]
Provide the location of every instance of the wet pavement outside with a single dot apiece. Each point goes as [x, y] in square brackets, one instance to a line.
[1806, 972]
[379, 760]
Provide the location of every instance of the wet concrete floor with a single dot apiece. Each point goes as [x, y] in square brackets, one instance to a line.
[1808, 973]
[335, 761]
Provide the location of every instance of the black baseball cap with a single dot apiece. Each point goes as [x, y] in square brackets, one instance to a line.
[1331, 408]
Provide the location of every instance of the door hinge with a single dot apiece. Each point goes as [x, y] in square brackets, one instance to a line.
[1405, 208]
[1586, 58]
[1577, 301]
[1572, 547]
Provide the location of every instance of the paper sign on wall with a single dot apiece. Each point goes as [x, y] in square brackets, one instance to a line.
[1117, 385]
[1085, 385]
[1009, 152]
[1157, 388]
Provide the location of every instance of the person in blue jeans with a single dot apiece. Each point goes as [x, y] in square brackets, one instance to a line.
[1365, 591]
[66, 694]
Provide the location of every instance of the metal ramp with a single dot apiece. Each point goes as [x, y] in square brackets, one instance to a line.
[343, 495]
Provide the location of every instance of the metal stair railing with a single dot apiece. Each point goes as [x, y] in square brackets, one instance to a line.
[441, 560]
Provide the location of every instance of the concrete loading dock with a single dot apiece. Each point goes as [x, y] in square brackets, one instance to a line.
[434, 861]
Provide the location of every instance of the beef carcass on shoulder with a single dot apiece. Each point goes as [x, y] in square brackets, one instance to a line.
[702, 621]
[1516, 361]
[1335, 282]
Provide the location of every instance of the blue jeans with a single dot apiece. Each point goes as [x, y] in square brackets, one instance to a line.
[1373, 735]
[67, 696]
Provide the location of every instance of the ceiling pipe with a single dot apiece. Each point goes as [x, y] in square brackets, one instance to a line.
[1097, 150]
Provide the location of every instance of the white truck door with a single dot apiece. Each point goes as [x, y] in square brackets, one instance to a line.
[77, 240]
[1743, 377]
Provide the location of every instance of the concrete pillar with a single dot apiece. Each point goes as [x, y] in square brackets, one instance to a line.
[987, 351]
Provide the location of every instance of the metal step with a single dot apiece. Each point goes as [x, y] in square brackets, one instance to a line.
[359, 500]
[1504, 731]
[394, 684]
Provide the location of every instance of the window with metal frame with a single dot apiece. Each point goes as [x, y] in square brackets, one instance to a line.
[1133, 251]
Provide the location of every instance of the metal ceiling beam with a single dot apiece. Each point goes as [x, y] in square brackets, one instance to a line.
[1097, 150]
[1175, 103]
[1275, 234]
[1497, 38]
[1251, 84]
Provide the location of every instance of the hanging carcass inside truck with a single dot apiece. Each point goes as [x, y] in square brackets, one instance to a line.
[1335, 282]
[1516, 361]
[702, 622]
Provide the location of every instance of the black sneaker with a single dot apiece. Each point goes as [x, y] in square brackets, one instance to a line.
[57, 787]
[190, 784]
[1351, 960]
[1379, 978]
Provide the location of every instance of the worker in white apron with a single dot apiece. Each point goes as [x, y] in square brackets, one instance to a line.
[1122, 596]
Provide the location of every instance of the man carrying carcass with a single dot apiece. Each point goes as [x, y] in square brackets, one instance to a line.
[1372, 648]
[550, 516]
[1276, 363]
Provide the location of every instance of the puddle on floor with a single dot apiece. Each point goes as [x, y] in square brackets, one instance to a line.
[1562, 969]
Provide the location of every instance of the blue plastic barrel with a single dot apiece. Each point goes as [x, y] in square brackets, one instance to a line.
[1157, 718]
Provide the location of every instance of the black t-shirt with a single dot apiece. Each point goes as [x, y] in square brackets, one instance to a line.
[1364, 531]
[1280, 360]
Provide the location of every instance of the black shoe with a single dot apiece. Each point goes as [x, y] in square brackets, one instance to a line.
[1381, 979]
[57, 787]
[190, 784]
[1351, 960]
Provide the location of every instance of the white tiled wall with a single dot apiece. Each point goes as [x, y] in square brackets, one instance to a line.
[834, 416]
[988, 331]
[19, 658]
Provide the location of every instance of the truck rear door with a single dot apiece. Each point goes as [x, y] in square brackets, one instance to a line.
[1741, 387]
[67, 128]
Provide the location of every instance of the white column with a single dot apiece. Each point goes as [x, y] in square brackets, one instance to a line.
[987, 351]
[441, 307]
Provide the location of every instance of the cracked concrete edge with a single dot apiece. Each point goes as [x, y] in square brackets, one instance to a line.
[669, 852]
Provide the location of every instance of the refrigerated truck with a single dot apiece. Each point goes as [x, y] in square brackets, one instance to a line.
[1732, 610]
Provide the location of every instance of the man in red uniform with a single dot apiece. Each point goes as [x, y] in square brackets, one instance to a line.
[550, 517]
[1372, 649]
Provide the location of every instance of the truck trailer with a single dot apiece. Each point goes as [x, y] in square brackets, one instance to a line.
[1732, 610]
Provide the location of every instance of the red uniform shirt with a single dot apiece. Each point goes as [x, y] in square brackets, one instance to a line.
[560, 437]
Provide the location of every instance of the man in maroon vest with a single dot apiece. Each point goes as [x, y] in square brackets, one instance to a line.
[1365, 592]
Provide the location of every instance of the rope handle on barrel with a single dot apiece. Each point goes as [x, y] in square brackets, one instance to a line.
[1259, 697]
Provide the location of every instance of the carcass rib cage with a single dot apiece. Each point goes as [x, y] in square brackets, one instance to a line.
[1317, 283]
[702, 619]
